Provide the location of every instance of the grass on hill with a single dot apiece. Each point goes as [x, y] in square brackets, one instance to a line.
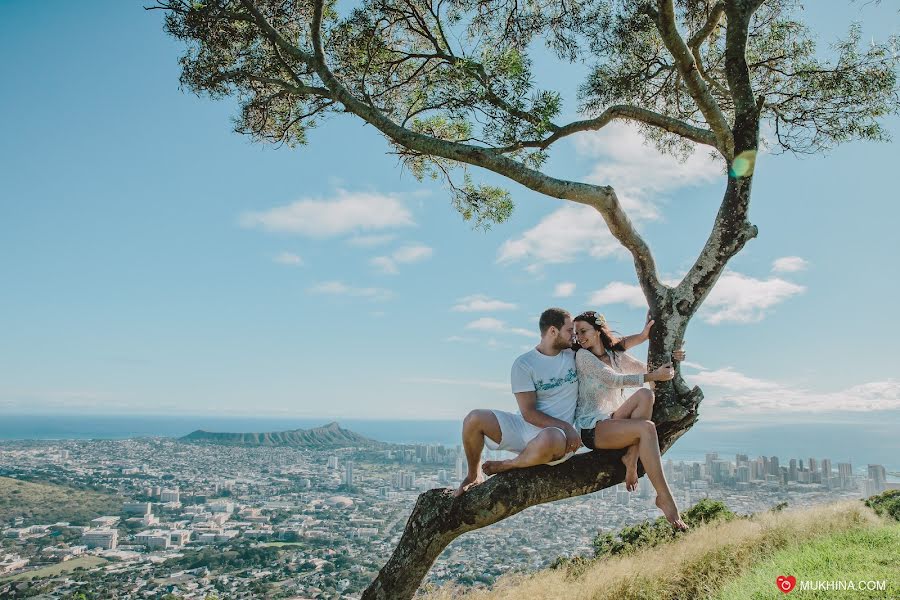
[44, 503]
[87, 562]
[726, 559]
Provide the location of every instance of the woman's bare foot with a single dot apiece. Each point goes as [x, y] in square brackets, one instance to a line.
[468, 483]
[670, 510]
[630, 461]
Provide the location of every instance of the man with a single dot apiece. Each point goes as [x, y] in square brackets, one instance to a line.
[545, 385]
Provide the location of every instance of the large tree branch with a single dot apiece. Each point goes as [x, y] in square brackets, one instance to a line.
[696, 86]
[696, 41]
[622, 111]
[732, 228]
[438, 518]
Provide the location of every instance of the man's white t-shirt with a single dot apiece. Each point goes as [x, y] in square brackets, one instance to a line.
[553, 378]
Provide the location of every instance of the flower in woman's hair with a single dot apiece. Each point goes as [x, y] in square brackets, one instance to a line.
[599, 319]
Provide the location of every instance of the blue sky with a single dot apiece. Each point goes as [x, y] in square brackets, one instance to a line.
[154, 261]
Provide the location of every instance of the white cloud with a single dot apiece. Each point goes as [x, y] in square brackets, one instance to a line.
[564, 289]
[561, 237]
[346, 213]
[618, 292]
[385, 264]
[743, 395]
[369, 241]
[498, 326]
[338, 288]
[730, 379]
[736, 298]
[287, 258]
[739, 298]
[789, 264]
[406, 254]
[641, 176]
[481, 303]
[488, 385]
[638, 172]
[692, 365]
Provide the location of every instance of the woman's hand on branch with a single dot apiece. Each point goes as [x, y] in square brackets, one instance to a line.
[646, 332]
[665, 372]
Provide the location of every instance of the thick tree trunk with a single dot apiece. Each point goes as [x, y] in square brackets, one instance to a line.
[438, 518]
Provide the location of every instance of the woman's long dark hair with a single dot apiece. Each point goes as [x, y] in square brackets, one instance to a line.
[611, 339]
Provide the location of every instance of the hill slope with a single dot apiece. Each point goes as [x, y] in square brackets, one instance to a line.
[44, 503]
[327, 436]
[737, 559]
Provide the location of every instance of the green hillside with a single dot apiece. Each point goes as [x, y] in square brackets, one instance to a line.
[43, 503]
[729, 557]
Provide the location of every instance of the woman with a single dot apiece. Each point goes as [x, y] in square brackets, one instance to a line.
[606, 420]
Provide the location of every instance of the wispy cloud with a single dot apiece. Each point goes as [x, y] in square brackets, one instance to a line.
[733, 393]
[496, 325]
[561, 237]
[404, 255]
[730, 379]
[481, 303]
[338, 288]
[736, 298]
[564, 289]
[287, 258]
[641, 176]
[789, 264]
[618, 292]
[348, 212]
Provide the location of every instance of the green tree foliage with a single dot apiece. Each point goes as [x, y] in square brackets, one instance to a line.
[886, 504]
[461, 73]
[648, 534]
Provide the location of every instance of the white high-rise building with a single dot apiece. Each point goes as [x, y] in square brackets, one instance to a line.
[348, 473]
[107, 539]
[170, 496]
[333, 462]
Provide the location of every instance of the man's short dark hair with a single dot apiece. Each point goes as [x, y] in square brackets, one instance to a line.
[553, 317]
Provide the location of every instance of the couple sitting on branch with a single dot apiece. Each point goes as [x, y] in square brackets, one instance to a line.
[570, 395]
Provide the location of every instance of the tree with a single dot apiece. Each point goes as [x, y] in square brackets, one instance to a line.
[449, 84]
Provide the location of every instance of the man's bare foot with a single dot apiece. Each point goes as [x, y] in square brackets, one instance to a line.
[630, 461]
[492, 467]
[467, 484]
[670, 510]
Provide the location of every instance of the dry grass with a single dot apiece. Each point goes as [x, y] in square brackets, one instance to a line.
[696, 566]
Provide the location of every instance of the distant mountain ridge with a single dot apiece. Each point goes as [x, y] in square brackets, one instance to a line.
[326, 436]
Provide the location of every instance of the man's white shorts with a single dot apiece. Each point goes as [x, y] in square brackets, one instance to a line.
[516, 432]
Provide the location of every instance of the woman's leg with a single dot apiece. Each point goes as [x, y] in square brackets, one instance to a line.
[638, 406]
[622, 433]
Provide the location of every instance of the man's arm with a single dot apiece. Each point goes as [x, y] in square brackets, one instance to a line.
[528, 407]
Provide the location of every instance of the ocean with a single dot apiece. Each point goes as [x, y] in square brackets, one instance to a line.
[875, 441]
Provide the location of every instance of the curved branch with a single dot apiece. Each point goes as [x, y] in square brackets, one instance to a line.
[684, 59]
[438, 518]
[622, 111]
[696, 41]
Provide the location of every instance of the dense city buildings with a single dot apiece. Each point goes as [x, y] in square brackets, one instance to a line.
[286, 522]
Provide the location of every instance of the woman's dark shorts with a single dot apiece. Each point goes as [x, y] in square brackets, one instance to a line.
[587, 438]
